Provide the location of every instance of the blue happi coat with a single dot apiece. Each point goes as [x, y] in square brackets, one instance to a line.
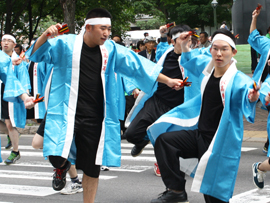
[17, 111]
[162, 47]
[189, 92]
[64, 53]
[262, 45]
[41, 75]
[215, 175]
[265, 89]
[13, 87]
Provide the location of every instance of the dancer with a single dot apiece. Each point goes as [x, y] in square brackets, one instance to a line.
[206, 126]
[13, 90]
[83, 97]
[161, 100]
[14, 113]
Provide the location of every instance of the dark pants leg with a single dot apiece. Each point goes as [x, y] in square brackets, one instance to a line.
[58, 161]
[210, 199]
[172, 145]
[130, 100]
[152, 110]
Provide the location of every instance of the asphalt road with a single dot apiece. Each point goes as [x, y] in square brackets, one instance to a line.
[29, 180]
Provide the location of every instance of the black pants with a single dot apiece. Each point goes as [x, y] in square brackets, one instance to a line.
[172, 145]
[152, 110]
[130, 100]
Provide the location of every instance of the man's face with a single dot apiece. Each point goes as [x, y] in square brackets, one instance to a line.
[150, 45]
[7, 45]
[222, 53]
[98, 34]
[17, 50]
[116, 39]
[203, 39]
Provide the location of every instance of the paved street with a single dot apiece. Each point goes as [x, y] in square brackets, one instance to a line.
[29, 180]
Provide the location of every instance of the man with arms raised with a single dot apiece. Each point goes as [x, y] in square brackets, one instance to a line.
[83, 105]
[206, 126]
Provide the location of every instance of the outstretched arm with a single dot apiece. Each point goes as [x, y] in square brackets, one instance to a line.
[253, 25]
[52, 30]
[173, 83]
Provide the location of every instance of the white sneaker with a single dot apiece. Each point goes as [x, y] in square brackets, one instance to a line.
[72, 188]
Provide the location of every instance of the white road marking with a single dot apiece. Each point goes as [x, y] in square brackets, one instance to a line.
[246, 149]
[253, 196]
[26, 190]
[123, 168]
[129, 145]
[38, 175]
[145, 151]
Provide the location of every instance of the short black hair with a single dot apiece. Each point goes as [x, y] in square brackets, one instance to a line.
[224, 32]
[117, 36]
[205, 33]
[179, 28]
[169, 33]
[19, 46]
[98, 12]
[268, 29]
[223, 22]
[139, 43]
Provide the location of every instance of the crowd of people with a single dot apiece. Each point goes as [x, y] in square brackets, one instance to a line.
[90, 85]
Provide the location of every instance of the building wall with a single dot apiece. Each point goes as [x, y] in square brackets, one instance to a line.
[242, 15]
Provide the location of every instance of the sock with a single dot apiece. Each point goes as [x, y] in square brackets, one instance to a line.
[17, 153]
[75, 180]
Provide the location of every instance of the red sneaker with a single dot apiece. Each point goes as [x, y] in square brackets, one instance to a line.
[156, 169]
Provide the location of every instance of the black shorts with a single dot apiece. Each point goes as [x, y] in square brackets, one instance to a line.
[4, 109]
[41, 127]
[87, 133]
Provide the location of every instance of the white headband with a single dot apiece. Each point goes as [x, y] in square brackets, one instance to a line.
[95, 21]
[7, 36]
[175, 36]
[224, 38]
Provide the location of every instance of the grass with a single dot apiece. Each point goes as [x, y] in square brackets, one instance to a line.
[243, 58]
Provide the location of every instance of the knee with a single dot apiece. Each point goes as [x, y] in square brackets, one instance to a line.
[9, 125]
[37, 142]
[57, 161]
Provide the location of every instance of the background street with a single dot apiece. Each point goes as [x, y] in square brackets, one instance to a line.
[29, 180]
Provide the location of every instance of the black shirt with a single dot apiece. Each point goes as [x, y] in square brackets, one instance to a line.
[212, 108]
[171, 69]
[30, 71]
[90, 96]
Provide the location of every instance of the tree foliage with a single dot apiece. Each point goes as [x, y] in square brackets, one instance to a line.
[29, 18]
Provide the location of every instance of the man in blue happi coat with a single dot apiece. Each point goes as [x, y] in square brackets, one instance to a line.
[208, 128]
[13, 90]
[14, 114]
[83, 103]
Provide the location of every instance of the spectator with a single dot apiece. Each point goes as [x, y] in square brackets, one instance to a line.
[141, 45]
[204, 40]
[149, 52]
[223, 25]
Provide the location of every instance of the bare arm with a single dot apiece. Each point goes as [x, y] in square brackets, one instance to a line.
[52, 30]
[173, 83]
[185, 37]
[253, 24]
